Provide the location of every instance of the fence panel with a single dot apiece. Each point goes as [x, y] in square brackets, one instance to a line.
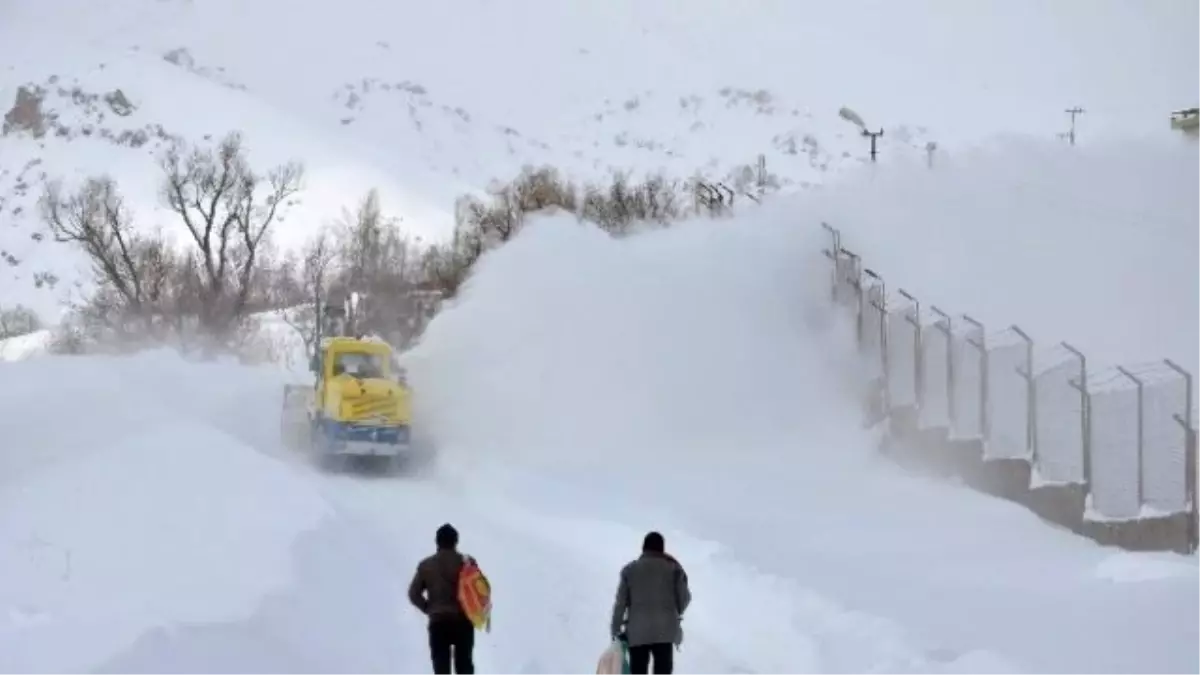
[1007, 401]
[1114, 488]
[901, 351]
[1059, 428]
[967, 381]
[1164, 457]
[935, 389]
[1124, 439]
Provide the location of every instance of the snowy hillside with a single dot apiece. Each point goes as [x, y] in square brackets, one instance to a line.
[429, 100]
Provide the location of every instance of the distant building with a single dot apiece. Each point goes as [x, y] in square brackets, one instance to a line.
[1187, 121]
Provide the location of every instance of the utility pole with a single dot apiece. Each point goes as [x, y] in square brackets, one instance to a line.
[930, 148]
[872, 135]
[761, 178]
[1073, 112]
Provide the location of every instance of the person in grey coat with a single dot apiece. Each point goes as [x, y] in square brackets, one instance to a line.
[652, 596]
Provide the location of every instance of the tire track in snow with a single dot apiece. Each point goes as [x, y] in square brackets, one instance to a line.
[742, 619]
[554, 578]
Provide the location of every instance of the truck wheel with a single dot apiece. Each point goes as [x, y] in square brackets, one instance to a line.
[388, 465]
[332, 463]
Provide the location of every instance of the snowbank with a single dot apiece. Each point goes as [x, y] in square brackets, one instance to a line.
[168, 523]
[145, 525]
[24, 346]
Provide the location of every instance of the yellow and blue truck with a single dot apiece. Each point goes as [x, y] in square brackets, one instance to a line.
[358, 409]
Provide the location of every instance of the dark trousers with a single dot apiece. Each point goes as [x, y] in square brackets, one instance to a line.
[664, 658]
[452, 634]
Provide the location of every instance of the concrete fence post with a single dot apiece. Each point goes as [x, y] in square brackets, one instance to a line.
[945, 325]
[832, 253]
[881, 307]
[1031, 436]
[918, 358]
[981, 345]
[1189, 464]
[1080, 384]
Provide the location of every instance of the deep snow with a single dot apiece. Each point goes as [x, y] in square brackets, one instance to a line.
[582, 391]
[585, 390]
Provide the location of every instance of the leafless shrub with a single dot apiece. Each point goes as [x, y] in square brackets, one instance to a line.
[483, 224]
[619, 206]
[18, 320]
[67, 338]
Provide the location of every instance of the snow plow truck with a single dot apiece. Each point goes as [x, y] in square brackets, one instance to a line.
[357, 411]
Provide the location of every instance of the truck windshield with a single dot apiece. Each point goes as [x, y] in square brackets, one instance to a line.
[359, 364]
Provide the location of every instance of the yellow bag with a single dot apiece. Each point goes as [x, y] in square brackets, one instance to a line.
[475, 594]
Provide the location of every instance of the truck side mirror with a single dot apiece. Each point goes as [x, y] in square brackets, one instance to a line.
[314, 364]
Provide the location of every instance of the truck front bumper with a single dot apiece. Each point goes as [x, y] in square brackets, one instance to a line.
[368, 449]
[365, 440]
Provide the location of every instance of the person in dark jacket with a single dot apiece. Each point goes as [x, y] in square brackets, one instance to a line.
[434, 591]
[652, 596]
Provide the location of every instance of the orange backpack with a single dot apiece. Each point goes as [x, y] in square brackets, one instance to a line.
[475, 594]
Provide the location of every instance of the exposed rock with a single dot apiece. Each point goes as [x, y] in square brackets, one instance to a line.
[180, 57]
[119, 103]
[26, 113]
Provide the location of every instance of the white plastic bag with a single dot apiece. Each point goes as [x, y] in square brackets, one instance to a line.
[614, 660]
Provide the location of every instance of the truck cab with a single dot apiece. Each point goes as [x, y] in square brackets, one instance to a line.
[359, 404]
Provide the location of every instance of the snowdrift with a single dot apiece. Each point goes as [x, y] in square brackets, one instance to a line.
[144, 529]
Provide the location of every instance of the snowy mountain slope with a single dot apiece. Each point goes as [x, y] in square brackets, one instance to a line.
[429, 100]
[684, 380]
[109, 119]
[971, 69]
[74, 130]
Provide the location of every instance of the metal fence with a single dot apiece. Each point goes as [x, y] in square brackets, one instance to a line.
[1123, 435]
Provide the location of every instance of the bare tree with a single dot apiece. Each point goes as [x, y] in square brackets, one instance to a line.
[380, 263]
[361, 236]
[96, 219]
[314, 275]
[228, 210]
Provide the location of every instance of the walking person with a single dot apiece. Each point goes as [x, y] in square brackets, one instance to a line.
[652, 596]
[435, 591]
